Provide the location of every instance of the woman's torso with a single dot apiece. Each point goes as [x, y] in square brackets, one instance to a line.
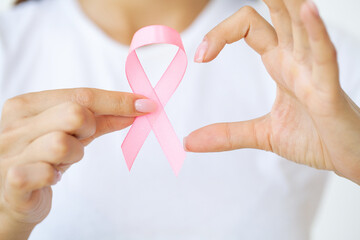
[244, 194]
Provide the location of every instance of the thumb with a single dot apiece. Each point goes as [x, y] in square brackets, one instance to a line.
[107, 124]
[230, 136]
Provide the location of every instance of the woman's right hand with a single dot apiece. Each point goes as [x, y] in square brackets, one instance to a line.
[41, 136]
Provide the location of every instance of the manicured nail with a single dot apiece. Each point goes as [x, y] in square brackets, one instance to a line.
[201, 51]
[58, 176]
[313, 7]
[184, 144]
[145, 105]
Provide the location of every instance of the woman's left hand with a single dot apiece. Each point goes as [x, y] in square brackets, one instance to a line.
[312, 121]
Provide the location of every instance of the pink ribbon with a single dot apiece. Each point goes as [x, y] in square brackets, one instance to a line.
[164, 89]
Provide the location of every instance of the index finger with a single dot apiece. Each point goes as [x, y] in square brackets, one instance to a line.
[245, 23]
[100, 102]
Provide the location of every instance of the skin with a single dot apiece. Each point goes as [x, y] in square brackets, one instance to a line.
[120, 19]
[43, 134]
[298, 55]
[312, 120]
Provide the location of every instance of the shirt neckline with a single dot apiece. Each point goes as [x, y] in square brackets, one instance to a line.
[75, 10]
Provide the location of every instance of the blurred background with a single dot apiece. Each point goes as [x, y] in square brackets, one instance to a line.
[339, 214]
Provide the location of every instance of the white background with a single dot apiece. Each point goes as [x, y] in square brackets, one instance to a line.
[339, 215]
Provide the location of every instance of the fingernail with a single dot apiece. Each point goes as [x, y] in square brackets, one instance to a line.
[201, 51]
[184, 143]
[145, 105]
[313, 7]
[58, 176]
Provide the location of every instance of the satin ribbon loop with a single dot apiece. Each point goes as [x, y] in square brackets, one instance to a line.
[164, 89]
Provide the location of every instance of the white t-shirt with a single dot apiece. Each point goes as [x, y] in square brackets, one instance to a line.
[244, 194]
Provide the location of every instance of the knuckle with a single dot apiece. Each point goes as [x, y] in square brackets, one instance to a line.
[235, 27]
[75, 116]
[14, 104]
[7, 140]
[59, 145]
[16, 178]
[230, 29]
[332, 53]
[328, 58]
[81, 153]
[11, 126]
[124, 104]
[84, 97]
[247, 11]
[49, 175]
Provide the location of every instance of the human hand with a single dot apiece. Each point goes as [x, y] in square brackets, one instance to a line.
[41, 135]
[312, 120]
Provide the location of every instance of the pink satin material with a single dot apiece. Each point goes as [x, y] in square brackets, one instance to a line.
[164, 89]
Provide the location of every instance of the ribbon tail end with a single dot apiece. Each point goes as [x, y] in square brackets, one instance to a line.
[177, 165]
[129, 165]
[128, 159]
[176, 170]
